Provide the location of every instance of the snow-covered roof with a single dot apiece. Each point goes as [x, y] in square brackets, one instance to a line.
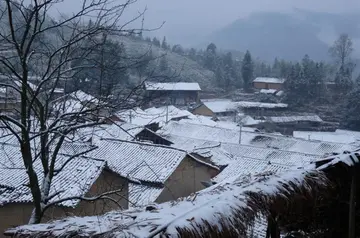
[300, 145]
[141, 195]
[69, 106]
[160, 115]
[268, 91]
[248, 121]
[286, 119]
[245, 104]
[348, 132]
[218, 205]
[226, 105]
[180, 86]
[207, 121]
[139, 161]
[245, 166]
[116, 131]
[206, 132]
[249, 137]
[221, 105]
[338, 136]
[83, 97]
[75, 179]
[268, 80]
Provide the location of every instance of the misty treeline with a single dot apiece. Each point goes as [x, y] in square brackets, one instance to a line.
[308, 82]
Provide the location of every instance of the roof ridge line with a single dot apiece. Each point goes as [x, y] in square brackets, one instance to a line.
[144, 143]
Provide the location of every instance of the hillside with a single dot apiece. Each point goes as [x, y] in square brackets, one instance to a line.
[288, 36]
[270, 35]
[188, 70]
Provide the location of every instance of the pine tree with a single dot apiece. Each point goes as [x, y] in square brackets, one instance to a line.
[210, 57]
[343, 80]
[156, 42]
[192, 54]
[178, 49]
[351, 119]
[247, 70]
[163, 64]
[164, 44]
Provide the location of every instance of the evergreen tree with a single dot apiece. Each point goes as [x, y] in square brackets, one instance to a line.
[164, 44]
[192, 54]
[178, 49]
[210, 57]
[163, 64]
[247, 70]
[106, 68]
[351, 119]
[156, 42]
[343, 80]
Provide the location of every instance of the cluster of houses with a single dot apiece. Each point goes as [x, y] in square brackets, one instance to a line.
[158, 154]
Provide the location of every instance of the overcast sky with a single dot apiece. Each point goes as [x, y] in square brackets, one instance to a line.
[187, 19]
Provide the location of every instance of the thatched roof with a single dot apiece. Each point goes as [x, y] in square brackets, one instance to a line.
[227, 209]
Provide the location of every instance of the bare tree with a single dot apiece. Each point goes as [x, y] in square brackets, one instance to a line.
[46, 47]
[341, 50]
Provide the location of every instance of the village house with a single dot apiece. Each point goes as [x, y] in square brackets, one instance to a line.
[153, 118]
[179, 93]
[229, 108]
[216, 108]
[82, 177]
[269, 83]
[142, 173]
[287, 124]
[162, 173]
[317, 200]
[248, 136]
[118, 131]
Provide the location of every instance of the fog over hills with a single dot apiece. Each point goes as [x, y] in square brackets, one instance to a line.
[287, 35]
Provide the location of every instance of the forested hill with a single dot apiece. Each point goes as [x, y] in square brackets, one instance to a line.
[175, 64]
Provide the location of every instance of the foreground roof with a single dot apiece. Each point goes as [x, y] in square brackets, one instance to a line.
[74, 180]
[180, 86]
[268, 80]
[235, 203]
[139, 161]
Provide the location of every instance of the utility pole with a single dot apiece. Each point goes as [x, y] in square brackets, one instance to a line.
[167, 113]
[240, 132]
[130, 115]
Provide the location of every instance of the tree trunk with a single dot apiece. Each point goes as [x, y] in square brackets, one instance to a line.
[352, 204]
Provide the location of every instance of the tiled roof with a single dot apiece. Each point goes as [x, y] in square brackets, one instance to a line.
[74, 180]
[139, 161]
[152, 115]
[245, 104]
[141, 195]
[207, 132]
[119, 131]
[221, 105]
[285, 119]
[180, 86]
[268, 80]
[271, 141]
[300, 145]
[83, 97]
[241, 166]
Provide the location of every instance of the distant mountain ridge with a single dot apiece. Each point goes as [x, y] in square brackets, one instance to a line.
[289, 36]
